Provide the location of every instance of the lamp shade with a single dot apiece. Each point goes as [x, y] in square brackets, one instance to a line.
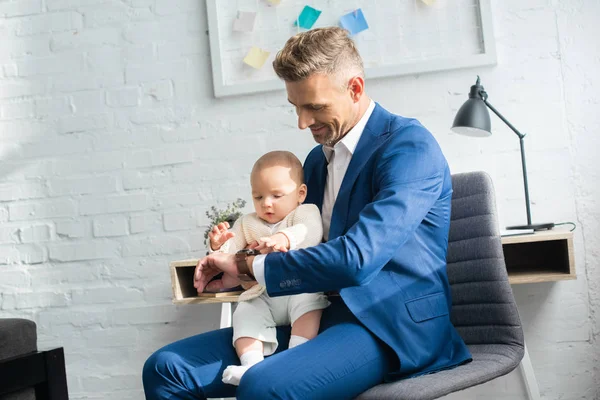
[473, 118]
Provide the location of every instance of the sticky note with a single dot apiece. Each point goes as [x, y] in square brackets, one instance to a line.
[354, 22]
[244, 21]
[275, 2]
[428, 2]
[307, 17]
[256, 57]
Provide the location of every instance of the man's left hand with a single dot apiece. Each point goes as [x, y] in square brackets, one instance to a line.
[211, 265]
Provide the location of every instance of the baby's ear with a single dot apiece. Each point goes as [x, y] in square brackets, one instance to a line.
[302, 190]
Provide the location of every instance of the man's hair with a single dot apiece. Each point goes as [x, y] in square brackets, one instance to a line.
[281, 158]
[322, 50]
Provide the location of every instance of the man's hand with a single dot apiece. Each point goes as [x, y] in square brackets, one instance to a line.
[276, 242]
[219, 234]
[211, 265]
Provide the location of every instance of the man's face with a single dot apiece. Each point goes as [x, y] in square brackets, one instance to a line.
[324, 107]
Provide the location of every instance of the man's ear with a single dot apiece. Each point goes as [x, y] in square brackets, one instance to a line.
[302, 190]
[357, 88]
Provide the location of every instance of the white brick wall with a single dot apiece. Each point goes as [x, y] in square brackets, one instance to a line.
[112, 148]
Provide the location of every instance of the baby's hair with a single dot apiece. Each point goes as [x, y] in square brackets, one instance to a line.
[282, 158]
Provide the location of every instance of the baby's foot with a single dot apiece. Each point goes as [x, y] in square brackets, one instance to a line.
[233, 374]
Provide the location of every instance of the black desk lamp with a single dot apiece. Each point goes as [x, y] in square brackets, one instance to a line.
[473, 119]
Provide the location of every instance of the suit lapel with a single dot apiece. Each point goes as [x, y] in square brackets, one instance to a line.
[375, 133]
[315, 181]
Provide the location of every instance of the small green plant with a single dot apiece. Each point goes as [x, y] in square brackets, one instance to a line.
[229, 214]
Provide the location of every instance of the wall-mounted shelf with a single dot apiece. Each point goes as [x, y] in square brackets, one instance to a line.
[543, 256]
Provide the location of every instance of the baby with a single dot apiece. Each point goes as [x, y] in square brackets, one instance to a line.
[281, 222]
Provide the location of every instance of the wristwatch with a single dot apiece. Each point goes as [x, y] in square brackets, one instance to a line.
[240, 259]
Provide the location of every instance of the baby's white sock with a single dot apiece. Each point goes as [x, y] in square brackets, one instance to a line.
[296, 341]
[233, 373]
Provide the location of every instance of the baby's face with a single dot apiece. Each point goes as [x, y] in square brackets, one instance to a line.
[274, 193]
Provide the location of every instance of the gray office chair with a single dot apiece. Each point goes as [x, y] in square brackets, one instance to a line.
[483, 307]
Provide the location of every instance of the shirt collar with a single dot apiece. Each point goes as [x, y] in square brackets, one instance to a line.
[350, 141]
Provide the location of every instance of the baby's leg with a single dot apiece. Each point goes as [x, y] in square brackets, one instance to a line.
[305, 313]
[305, 328]
[254, 336]
[250, 352]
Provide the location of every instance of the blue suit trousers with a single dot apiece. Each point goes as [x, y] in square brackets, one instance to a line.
[344, 360]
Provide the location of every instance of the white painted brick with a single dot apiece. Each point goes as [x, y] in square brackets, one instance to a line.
[88, 38]
[113, 204]
[181, 198]
[145, 222]
[94, 163]
[3, 214]
[98, 384]
[145, 179]
[74, 318]
[58, 146]
[16, 110]
[88, 102]
[139, 54]
[15, 48]
[14, 8]
[21, 88]
[110, 225]
[105, 59]
[182, 48]
[87, 185]
[36, 300]
[144, 315]
[160, 90]
[158, 72]
[24, 253]
[52, 107]
[91, 250]
[157, 116]
[12, 280]
[179, 220]
[65, 275]
[35, 233]
[106, 295]
[71, 229]
[166, 155]
[125, 97]
[183, 134]
[156, 30]
[50, 65]
[152, 246]
[9, 234]
[42, 209]
[22, 191]
[76, 81]
[49, 22]
[10, 70]
[120, 139]
[84, 123]
[112, 337]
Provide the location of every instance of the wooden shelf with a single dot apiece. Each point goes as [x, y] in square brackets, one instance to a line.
[544, 256]
[184, 292]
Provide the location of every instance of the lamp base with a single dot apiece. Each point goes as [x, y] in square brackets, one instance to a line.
[536, 227]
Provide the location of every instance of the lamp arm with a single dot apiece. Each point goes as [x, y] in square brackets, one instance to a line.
[522, 145]
[519, 134]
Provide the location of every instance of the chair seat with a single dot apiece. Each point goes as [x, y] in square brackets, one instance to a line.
[489, 361]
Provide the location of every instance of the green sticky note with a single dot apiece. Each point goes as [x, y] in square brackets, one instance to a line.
[307, 17]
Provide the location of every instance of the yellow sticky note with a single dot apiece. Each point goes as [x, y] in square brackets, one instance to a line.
[256, 57]
[274, 2]
[428, 2]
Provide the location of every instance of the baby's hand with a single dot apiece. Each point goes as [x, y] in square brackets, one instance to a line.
[219, 234]
[276, 242]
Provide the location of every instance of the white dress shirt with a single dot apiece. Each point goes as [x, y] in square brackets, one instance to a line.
[338, 158]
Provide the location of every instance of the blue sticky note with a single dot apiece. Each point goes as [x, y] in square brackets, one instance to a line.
[354, 22]
[307, 17]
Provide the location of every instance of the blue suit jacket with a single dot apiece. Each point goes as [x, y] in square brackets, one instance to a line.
[386, 252]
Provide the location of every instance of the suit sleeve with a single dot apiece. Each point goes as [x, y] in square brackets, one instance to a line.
[408, 179]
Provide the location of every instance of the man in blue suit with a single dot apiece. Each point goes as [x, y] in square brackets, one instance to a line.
[384, 189]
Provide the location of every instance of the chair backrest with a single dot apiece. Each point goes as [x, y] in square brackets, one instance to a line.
[483, 306]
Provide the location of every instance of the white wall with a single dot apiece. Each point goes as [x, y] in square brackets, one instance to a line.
[112, 148]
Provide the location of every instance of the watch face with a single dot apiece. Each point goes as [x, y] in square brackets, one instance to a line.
[249, 252]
